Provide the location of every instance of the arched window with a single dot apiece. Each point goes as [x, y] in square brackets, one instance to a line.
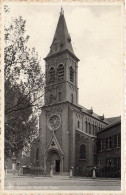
[51, 98]
[89, 128]
[37, 154]
[86, 125]
[71, 74]
[59, 96]
[93, 129]
[78, 124]
[71, 98]
[60, 71]
[82, 151]
[52, 73]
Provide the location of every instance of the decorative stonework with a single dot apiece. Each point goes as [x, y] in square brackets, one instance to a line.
[54, 122]
[53, 110]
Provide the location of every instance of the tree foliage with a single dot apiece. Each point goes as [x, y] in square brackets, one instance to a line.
[22, 65]
[19, 125]
[24, 86]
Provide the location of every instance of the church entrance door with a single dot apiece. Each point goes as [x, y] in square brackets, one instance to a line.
[53, 159]
[57, 167]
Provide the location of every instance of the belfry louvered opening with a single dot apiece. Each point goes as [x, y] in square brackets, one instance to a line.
[60, 71]
[71, 74]
[52, 74]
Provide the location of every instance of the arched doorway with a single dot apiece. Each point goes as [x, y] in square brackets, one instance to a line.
[53, 158]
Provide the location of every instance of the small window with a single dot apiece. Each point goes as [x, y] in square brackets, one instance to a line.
[86, 126]
[71, 98]
[71, 74]
[51, 98]
[89, 128]
[108, 143]
[60, 71]
[100, 145]
[59, 96]
[82, 151]
[108, 161]
[99, 162]
[117, 141]
[52, 74]
[93, 130]
[117, 162]
[78, 124]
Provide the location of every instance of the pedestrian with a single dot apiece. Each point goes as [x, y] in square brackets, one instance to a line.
[71, 172]
[51, 170]
[5, 169]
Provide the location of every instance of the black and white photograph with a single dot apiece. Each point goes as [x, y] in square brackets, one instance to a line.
[63, 97]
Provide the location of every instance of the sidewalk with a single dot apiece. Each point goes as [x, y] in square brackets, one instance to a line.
[55, 177]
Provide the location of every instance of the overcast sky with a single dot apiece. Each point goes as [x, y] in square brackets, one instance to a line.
[96, 33]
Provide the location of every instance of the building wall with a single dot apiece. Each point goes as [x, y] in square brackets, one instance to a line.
[89, 143]
[106, 156]
[81, 136]
[22, 159]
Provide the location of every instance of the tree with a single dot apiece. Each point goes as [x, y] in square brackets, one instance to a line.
[22, 65]
[24, 87]
[20, 125]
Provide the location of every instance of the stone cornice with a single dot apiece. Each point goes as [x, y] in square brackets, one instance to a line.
[61, 53]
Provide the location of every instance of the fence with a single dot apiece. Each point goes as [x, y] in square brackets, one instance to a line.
[108, 172]
[83, 171]
[32, 171]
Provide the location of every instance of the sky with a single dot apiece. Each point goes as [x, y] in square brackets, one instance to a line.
[96, 34]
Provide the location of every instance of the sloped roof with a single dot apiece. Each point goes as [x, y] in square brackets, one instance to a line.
[90, 112]
[113, 119]
[110, 125]
[110, 121]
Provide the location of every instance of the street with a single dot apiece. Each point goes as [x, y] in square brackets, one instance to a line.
[60, 183]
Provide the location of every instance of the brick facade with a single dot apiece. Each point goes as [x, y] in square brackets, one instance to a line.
[109, 146]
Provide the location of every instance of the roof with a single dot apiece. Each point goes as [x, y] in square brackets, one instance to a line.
[62, 39]
[113, 119]
[109, 121]
[90, 112]
[110, 126]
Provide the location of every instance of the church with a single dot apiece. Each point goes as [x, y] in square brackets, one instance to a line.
[68, 132]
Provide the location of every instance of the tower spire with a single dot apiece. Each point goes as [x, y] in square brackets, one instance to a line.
[62, 39]
[62, 11]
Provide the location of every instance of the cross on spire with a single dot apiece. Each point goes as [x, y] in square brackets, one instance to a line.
[62, 11]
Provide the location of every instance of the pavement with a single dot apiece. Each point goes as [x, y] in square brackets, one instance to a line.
[58, 182]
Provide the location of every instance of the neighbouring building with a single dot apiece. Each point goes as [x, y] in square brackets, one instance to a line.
[69, 134]
[109, 148]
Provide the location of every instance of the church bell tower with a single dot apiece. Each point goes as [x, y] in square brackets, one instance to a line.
[61, 67]
[57, 131]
